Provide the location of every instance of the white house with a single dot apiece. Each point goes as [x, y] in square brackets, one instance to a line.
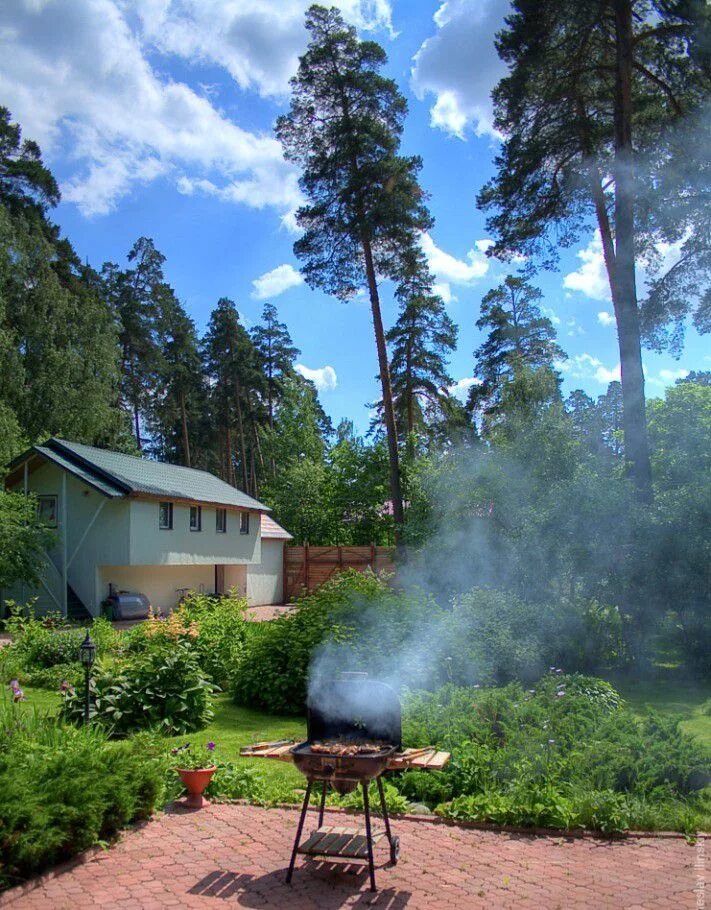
[143, 526]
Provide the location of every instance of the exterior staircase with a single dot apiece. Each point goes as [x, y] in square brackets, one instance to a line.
[76, 611]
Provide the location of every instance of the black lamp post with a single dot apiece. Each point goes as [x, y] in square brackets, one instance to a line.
[87, 656]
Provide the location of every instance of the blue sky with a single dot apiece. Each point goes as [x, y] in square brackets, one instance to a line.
[156, 117]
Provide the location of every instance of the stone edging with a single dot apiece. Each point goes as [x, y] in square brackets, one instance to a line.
[505, 829]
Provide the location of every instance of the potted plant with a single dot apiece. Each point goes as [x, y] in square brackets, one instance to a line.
[195, 765]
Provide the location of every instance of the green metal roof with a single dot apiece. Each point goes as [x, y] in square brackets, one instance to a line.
[85, 474]
[121, 474]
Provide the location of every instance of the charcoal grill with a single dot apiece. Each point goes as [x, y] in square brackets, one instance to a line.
[349, 710]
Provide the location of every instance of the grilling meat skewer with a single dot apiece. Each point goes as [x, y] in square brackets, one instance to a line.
[345, 747]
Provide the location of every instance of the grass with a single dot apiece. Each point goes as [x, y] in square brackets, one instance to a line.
[690, 703]
[232, 728]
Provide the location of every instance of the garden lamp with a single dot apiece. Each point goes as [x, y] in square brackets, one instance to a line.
[87, 656]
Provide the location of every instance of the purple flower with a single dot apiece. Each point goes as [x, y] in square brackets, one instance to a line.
[210, 746]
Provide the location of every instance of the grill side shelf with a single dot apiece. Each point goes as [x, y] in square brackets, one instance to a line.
[428, 759]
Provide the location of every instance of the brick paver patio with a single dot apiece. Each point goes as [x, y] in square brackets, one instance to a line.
[237, 855]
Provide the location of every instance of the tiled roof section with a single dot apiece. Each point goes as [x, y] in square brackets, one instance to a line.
[85, 474]
[151, 478]
[272, 530]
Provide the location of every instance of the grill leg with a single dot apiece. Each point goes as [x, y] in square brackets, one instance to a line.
[368, 836]
[322, 807]
[305, 806]
[384, 810]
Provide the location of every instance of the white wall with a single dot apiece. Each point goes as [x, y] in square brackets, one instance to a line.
[181, 546]
[236, 577]
[265, 582]
[106, 542]
[158, 583]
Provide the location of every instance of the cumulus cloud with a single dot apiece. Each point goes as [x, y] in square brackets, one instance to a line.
[605, 318]
[551, 314]
[449, 270]
[79, 74]
[667, 377]
[273, 283]
[258, 42]
[591, 278]
[461, 387]
[324, 378]
[585, 366]
[458, 66]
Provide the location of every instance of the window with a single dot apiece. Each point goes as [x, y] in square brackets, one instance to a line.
[244, 522]
[196, 518]
[221, 521]
[165, 516]
[47, 511]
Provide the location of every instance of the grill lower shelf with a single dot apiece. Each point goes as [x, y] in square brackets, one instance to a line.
[347, 843]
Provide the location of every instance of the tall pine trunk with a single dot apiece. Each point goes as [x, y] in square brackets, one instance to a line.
[184, 429]
[388, 407]
[242, 443]
[625, 295]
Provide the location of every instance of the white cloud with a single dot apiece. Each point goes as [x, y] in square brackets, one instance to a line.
[551, 314]
[258, 42]
[273, 283]
[444, 290]
[447, 269]
[324, 378]
[461, 387]
[605, 318]
[585, 366]
[79, 74]
[667, 377]
[459, 66]
[574, 328]
[591, 278]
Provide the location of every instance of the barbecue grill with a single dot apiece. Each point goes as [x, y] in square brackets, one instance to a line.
[353, 729]
[354, 732]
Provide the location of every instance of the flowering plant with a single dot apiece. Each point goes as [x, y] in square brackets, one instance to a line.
[191, 757]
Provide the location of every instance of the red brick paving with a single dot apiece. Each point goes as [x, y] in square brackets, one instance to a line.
[234, 855]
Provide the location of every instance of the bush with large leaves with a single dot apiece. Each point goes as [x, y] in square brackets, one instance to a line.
[162, 688]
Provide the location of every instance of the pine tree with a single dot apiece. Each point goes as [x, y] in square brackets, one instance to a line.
[58, 355]
[592, 110]
[231, 367]
[277, 354]
[365, 207]
[420, 342]
[138, 296]
[519, 337]
[180, 399]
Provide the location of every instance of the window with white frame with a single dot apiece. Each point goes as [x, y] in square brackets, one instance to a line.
[196, 518]
[165, 516]
[221, 521]
[47, 511]
[244, 522]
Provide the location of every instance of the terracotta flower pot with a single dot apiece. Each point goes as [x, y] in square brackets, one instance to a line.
[196, 780]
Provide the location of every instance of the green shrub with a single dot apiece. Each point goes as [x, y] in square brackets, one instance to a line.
[63, 789]
[162, 688]
[353, 609]
[212, 628]
[221, 632]
[564, 753]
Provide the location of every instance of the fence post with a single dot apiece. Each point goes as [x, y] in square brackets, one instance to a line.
[372, 557]
[284, 574]
[306, 566]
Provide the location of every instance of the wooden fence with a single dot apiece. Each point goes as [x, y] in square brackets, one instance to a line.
[309, 567]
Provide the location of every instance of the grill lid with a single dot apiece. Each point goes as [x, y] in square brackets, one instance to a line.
[352, 706]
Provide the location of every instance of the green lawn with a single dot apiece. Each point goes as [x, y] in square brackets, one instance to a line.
[234, 727]
[231, 729]
[689, 703]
